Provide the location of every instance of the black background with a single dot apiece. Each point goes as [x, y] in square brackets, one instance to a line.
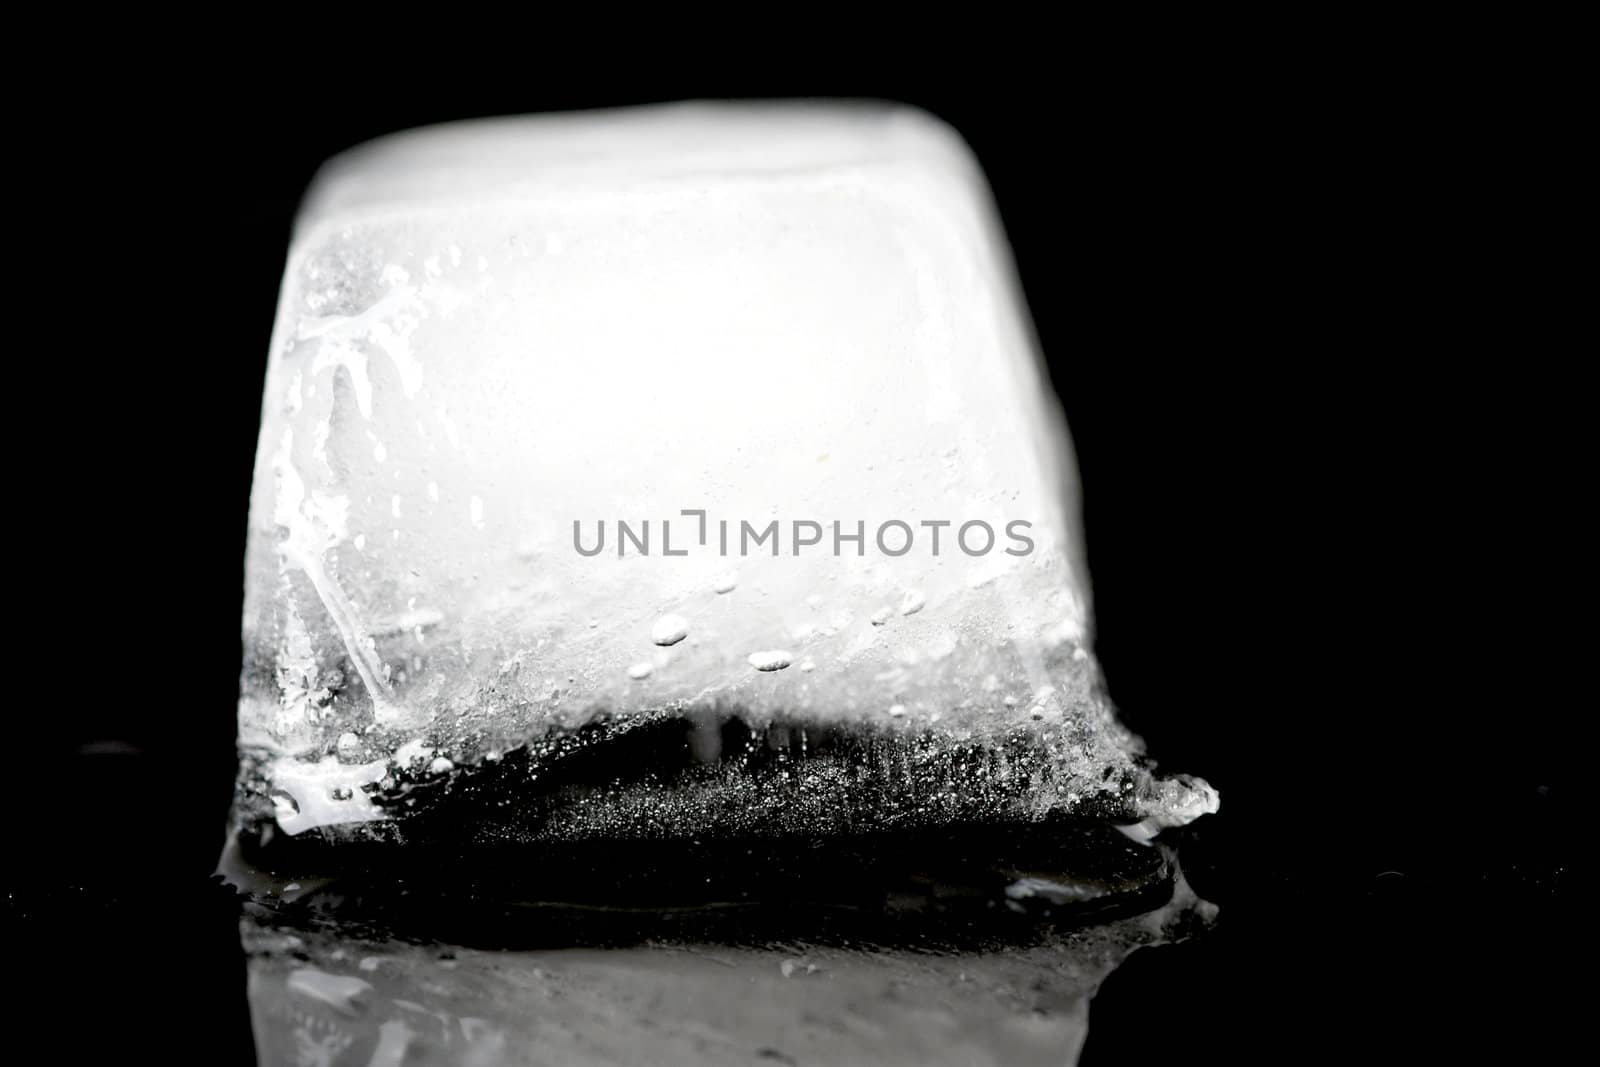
[1304, 315]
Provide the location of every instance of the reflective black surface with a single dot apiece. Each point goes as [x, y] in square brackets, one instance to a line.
[1304, 308]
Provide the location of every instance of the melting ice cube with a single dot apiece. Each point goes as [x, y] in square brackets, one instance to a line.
[579, 430]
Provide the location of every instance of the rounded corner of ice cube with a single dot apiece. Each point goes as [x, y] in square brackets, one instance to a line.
[923, 126]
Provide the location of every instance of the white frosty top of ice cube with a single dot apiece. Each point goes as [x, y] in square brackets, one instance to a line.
[491, 331]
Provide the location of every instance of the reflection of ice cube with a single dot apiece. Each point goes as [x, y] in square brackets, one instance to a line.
[495, 337]
[346, 993]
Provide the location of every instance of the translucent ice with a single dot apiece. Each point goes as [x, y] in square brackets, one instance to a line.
[580, 430]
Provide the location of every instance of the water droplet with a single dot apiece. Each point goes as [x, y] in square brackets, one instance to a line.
[725, 583]
[808, 666]
[640, 670]
[897, 710]
[774, 660]
[669, 630]
[348, 746]
[912, 603]
[440, 765]
[881, 616]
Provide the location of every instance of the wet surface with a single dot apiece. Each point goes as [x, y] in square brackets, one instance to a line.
[962, 945]
[317, 996]
[125, 945]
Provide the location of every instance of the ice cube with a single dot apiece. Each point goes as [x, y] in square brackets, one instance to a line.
[540, 387]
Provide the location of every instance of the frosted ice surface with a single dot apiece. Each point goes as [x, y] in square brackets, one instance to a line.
[498, 340]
